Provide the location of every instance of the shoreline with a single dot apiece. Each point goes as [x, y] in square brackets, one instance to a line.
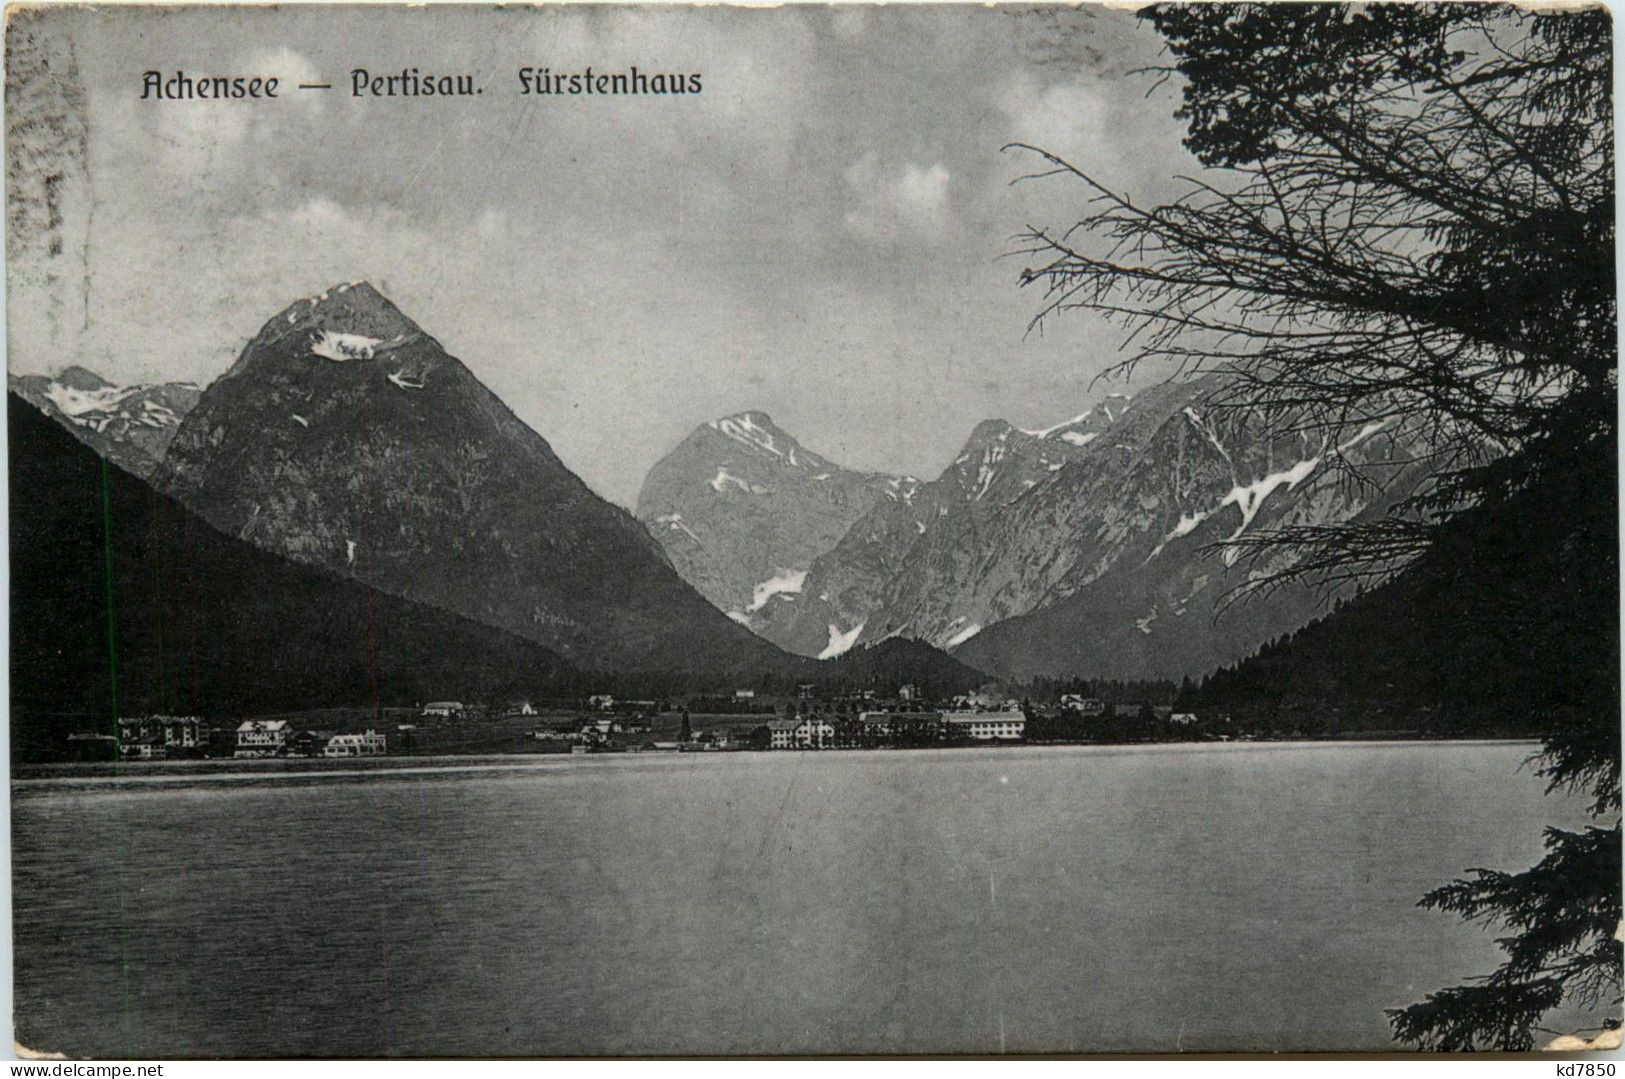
[294, 769]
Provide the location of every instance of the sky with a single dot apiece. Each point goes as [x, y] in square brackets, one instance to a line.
[823, 233]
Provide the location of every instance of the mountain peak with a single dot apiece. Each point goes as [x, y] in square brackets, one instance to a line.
[352, 294]
[752, 425]
[750, 416]
[989, 429]
[757, 432]
[743, 509]
[80, 378]
[988, 433]
[354, 309]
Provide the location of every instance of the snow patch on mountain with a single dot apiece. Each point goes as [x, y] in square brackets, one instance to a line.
[674, 522]
[343, 347]
[1206, 431]
[1249, 498]
[1060, 430]
[1079, 438]
[748, 428]
[902, 488]
[724, 478]
[129, 425]
[1364, 433]
[840, 642]
[1144, 624]
[1045, 432]
[74, 403]
[1196, 586]
[988, 470]
[964, 634]
[786, 582]
[154, 414]
[1188, 523]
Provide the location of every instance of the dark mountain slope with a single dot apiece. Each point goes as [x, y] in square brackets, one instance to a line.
[201, 622]
[1510, 625]
[897, 662]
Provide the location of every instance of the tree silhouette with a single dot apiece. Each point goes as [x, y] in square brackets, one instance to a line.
[1406, 221]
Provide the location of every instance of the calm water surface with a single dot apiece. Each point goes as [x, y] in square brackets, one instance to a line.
[1075, 899]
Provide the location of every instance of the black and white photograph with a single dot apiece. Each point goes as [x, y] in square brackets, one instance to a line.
[849, 530]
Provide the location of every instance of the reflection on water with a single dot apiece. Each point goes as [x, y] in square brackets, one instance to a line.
[1084, 899]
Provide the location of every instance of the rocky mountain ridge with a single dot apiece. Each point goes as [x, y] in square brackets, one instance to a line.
[1111, 518]
[129, 425]
[742, 510]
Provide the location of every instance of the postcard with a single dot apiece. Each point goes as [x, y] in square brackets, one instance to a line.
[821, 530]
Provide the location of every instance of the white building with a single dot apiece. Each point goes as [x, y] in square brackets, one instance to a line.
[445, 709]
[1089, 706]
[184, 732]
[367, 744]
[782, 734]
[885, 724]
[262, 738]
[1005, 726]
[814, 732]
[146, 749]
[151, 737]
[744, 694]
[601, 702]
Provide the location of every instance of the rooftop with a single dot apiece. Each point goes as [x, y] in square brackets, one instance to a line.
[984, 717]
[263, 725]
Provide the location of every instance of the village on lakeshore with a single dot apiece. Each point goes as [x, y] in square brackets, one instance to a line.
[901, 718]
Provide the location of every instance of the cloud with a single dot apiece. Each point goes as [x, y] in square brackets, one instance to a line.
[318, 216]
[1059, 117]
[891, 203]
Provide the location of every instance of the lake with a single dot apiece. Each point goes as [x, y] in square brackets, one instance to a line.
[1211, 897]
